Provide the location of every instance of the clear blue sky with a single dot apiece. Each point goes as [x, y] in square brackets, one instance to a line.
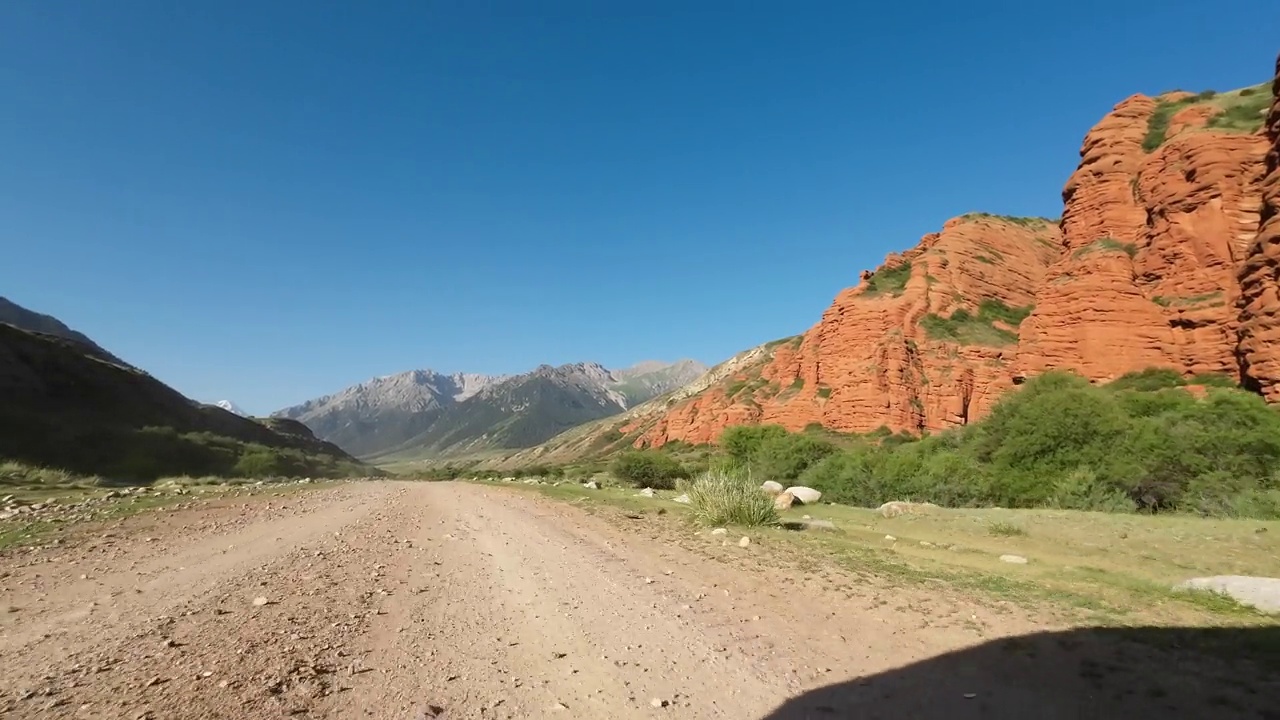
[268, 201]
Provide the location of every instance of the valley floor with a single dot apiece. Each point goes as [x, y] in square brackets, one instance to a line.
[421, 600]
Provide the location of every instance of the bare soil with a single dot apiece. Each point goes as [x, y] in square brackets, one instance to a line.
[415, 600]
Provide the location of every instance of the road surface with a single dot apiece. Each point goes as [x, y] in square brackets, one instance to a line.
[427, 600]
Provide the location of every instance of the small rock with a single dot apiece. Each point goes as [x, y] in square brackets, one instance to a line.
[890, 538]
[593, 485]
[658, 703]
[819, 525]
[683, 499]
[1262, 593]
[745, 541]
[925, 543]
[901, 507]
[719, 531]
[260, 601]
[771, 487]
[1015, 559]
[783, 501]
[647, 492]
[804, 495]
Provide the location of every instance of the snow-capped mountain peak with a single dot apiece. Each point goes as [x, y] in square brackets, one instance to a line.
[231, 407]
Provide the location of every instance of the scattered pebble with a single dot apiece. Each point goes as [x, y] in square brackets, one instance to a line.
[658, 703]
[1015, 559]
[745, 541]
[260, 601]
[719, 531]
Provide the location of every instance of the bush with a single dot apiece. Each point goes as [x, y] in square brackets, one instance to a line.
[743, 442]
[730, 497]
[785, 457]
[1140, 442]
[648, 468]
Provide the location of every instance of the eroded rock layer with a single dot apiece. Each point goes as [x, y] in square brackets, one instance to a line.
[1259, 302]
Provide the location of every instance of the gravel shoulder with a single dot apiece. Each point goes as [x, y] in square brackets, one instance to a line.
[417, 600]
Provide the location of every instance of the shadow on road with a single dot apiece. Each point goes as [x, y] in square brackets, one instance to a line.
[1130, 673]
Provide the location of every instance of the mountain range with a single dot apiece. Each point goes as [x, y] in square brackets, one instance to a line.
[424, 413]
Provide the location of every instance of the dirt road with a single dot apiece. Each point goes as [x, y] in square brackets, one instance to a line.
[391, 600]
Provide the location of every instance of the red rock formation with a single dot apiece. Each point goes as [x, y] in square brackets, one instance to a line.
[1154, 242]
[1259, 302]
[1154, 264]
[878, 356]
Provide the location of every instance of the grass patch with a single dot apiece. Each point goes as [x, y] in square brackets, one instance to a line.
[966, 328]
[1096, 568]
[1106, 244]
[1187, 301]
[888, 280]
[730, 497]
[1243, 111]
[1027, 222]
[824, 392]
[1005, 529]
[1158, 123]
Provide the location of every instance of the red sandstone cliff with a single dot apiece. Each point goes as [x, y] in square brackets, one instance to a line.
[1167, 255]
[1259, 302]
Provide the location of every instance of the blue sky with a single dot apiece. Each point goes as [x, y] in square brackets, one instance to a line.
[268, 201]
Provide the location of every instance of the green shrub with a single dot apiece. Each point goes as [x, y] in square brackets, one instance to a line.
[1004, 529]
[1158, 123]
[743, 442]
[648, 468]
[781, 457]
[1148, 380]
[1140, 442]
[730, 497]
[888, 280]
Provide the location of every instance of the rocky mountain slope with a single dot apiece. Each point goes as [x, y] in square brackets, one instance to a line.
[24, 319]
[385, 412]
[66, 405]
[528, 409]
[424, 413]
[1167, 255]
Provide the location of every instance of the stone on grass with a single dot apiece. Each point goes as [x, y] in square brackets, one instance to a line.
[591, 485]
[783, 501]
[1015, 559]
[647, 492]
[1262, 593]
[683, 499]
[804, 495]
[901, 507]
[771, 487]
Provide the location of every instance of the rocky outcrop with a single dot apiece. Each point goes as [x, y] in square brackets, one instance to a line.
[1259, 303]
[1156, 262]
[1153, 238]
[1167, 255]
[924, 342]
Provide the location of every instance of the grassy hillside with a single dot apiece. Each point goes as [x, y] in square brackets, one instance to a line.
[65, 406]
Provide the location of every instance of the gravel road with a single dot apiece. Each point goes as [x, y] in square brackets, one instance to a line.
[416, 600]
